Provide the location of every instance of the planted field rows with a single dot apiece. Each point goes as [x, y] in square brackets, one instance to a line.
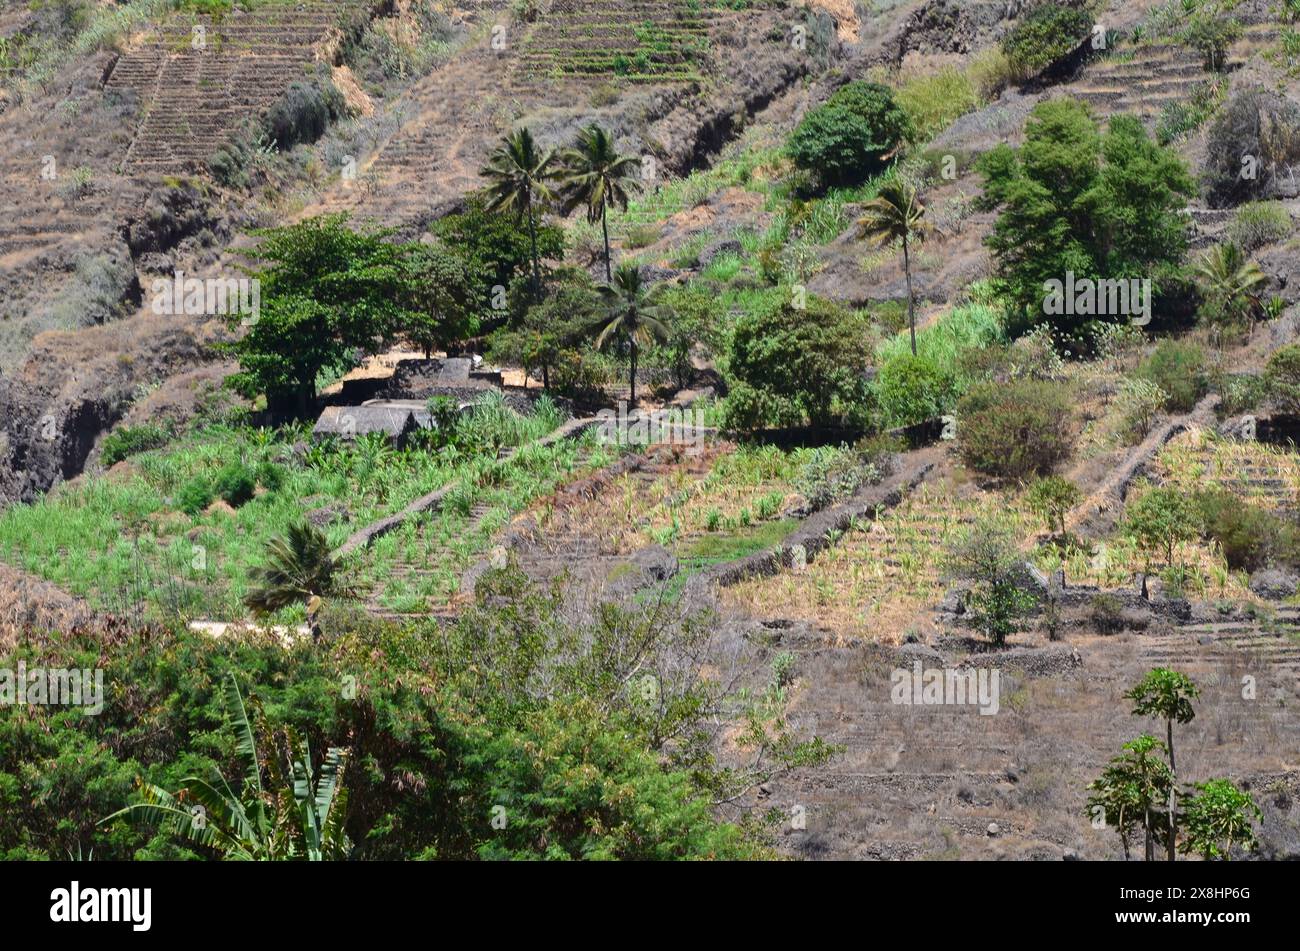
[197, 88]
[649, 40]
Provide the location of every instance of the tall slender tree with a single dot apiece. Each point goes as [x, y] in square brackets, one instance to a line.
[1131, 791]
[597, 176]
[632, 316]
[897, 214]
[521, 179]
[1168, 695]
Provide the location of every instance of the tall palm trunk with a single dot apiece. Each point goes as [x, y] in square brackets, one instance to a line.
[911, 305]
[632, 373]
[1173, 781]
[604, 227]
[532, 241]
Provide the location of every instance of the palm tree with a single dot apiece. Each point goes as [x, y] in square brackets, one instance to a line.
[897, 214]
[597, 176]
[633, 317]
[520, 176]
[300, 815]
[299, 567]
[1230, 283]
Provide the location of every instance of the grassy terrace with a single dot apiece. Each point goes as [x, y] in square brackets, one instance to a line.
[639, 41]
[419, 565]
[126, 539]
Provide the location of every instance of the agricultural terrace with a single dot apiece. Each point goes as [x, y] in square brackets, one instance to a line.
[639, 41]
[726, 503]
[179, 528]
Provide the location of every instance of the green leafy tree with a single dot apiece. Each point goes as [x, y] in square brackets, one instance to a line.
[554, 329]
[853, 136]
[1167, 695]
[1044, 35]
[1212, 34]
[521, 179]
[1217, 817]
[1133, 792]
[298, 815]
[1162, 519]
[987, 556]
[897, 214]
[496, 253]
[1051, 498]
[633, 316]
[325, 292]
[698, 329]
[597, 176]
[1074, 200]
[791, 365]
[441, 298]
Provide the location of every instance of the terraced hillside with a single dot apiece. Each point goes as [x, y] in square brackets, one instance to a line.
[879, 576]
[642, 40]
[1263, 475]
[1148, 79]
[199, 78]
[948, 782]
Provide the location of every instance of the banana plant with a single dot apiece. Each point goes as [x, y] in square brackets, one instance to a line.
[297, 815]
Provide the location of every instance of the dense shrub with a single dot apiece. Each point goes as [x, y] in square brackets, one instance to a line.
[195, 496]
[852, 136]
[1014, 430]
[1254, 140]
[235, 483]
[270, 476]
[129, 440]
[303, 112]
[1282, 378]
[1107, 614]
[1180, 370]
[1245, 533]
[792, 365]
[444, 725]
[1139, 402]
[1046, 34]
[1211, 34]
[1242, 392]
[1259, 223]
[913, 389]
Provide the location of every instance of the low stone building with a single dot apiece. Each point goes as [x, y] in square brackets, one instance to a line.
[396, 422]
